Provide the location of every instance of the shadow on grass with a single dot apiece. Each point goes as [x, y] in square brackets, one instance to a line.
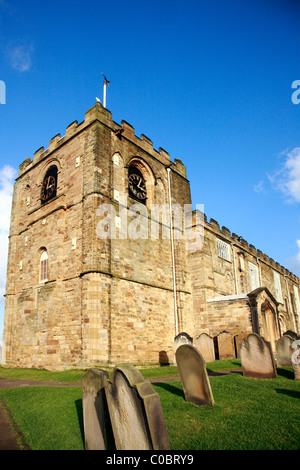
[290, 393]
[286, 373]
[236, 362]
[215, 373]
[170, 388]
[78, 404]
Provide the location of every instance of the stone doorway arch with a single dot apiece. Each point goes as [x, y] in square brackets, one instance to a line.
[264, 315]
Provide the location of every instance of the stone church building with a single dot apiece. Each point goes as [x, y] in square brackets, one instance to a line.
[100, 273]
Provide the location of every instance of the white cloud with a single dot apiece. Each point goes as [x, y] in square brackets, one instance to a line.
[259, 187]
[20, 56]
[7, 176]
[287, 179]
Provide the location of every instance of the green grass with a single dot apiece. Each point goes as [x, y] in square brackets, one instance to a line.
[172, 371]
[249, 414]
[50, 418]
[42, 375]
[75, 375]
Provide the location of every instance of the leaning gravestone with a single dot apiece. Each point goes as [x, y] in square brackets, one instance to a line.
[97, 429]
[193, 375]
[295, 346]
[135, 411]
[283, 351]
[257, 358]
[205, 345]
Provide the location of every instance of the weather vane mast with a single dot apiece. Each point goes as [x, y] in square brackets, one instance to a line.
[105, 84]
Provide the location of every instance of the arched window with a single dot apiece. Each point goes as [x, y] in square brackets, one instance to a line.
[44, 266]
[49, 185]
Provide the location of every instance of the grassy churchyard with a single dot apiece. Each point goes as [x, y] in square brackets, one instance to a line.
[249, 414]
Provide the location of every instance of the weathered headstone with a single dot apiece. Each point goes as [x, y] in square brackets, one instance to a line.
[295, 347]
[283, 351]
[257, 358]
[226, 345]
[182, 338]
[193, 375]
[97, 429]
[135, 411]
[205, 345]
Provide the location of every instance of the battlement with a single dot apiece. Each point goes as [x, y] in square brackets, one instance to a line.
[123, 131]
[239, 241]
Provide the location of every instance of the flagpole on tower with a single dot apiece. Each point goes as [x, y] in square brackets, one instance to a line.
[105, 84]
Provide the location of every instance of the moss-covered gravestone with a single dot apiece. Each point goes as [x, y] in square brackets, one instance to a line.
[135, 411]
[123, 413]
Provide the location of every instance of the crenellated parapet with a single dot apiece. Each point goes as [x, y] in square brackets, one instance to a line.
[121, 131]
[239, 242]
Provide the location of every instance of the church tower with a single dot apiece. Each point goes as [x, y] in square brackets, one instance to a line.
[90, 278]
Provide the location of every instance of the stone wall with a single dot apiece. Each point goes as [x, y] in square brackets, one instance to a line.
[105, 300]
[213, 277]
[232, 314]
[112, 299]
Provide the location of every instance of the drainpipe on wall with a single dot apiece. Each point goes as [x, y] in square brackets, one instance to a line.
[296, 305]
[234, 268]
[289, 299]
[173, 257]
[259, 271]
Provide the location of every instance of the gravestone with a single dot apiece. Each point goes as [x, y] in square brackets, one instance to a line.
[163, 358]
[135, 411]
[238, 341]
[283, 351]
[257, 358]
[97, 429]
[205, 345]
[290, 333]
[295, 347]
[193, 375]
[182, 338]
[226, 345]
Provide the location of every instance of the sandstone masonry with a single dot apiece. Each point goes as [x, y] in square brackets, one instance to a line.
[74, 299]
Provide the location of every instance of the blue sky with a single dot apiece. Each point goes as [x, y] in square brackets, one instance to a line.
[210, 82]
